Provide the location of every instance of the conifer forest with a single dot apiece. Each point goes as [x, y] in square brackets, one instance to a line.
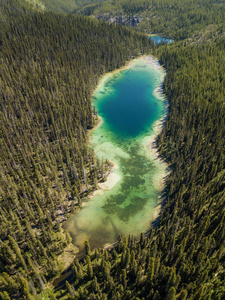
[52, 55]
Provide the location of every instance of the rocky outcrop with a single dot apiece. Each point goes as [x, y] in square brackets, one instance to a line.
[131, 21]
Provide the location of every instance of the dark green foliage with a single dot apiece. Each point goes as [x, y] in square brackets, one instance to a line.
[87, 248]
[50, 65]
[174, 18]
[171, 294]
[62, 6]
[183, 258]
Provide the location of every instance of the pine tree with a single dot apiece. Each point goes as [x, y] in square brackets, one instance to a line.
[87, 248]
[183, 295]
[89, 267]
[70, 290]
[17, 252]
[171, 295]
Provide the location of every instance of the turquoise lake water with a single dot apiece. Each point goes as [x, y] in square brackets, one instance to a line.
[159, 39]
[128, 105]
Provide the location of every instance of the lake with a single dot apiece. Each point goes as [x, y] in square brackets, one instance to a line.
[159, 39]
[129, 106]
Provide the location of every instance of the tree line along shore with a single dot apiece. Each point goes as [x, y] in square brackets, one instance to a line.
[50, 64]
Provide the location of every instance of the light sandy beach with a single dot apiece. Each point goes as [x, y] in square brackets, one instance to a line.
[110, 182]
[159, 179]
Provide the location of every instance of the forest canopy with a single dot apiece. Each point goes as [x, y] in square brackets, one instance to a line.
[50, 65]
[173, 18]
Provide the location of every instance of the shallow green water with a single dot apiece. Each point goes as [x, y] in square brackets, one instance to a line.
[128, 106]
[159, 39]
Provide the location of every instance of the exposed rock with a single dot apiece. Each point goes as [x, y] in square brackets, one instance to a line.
[131, 21]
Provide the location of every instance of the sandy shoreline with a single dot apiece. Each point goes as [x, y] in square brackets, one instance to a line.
[110, 182]
[159, 181]
[104, 76]
[98, 124]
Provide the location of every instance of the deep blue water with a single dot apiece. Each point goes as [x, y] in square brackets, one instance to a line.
[127, 104]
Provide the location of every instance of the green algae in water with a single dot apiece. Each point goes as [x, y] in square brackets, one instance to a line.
[128, 106]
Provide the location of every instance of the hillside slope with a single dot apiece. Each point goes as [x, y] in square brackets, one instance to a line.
[173, 18]
[61, 6]
[183, 257]
[50, 65]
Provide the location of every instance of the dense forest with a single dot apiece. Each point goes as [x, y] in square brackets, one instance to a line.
[50, 65]
[61, 6]
[183, 257]
[174, 18]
